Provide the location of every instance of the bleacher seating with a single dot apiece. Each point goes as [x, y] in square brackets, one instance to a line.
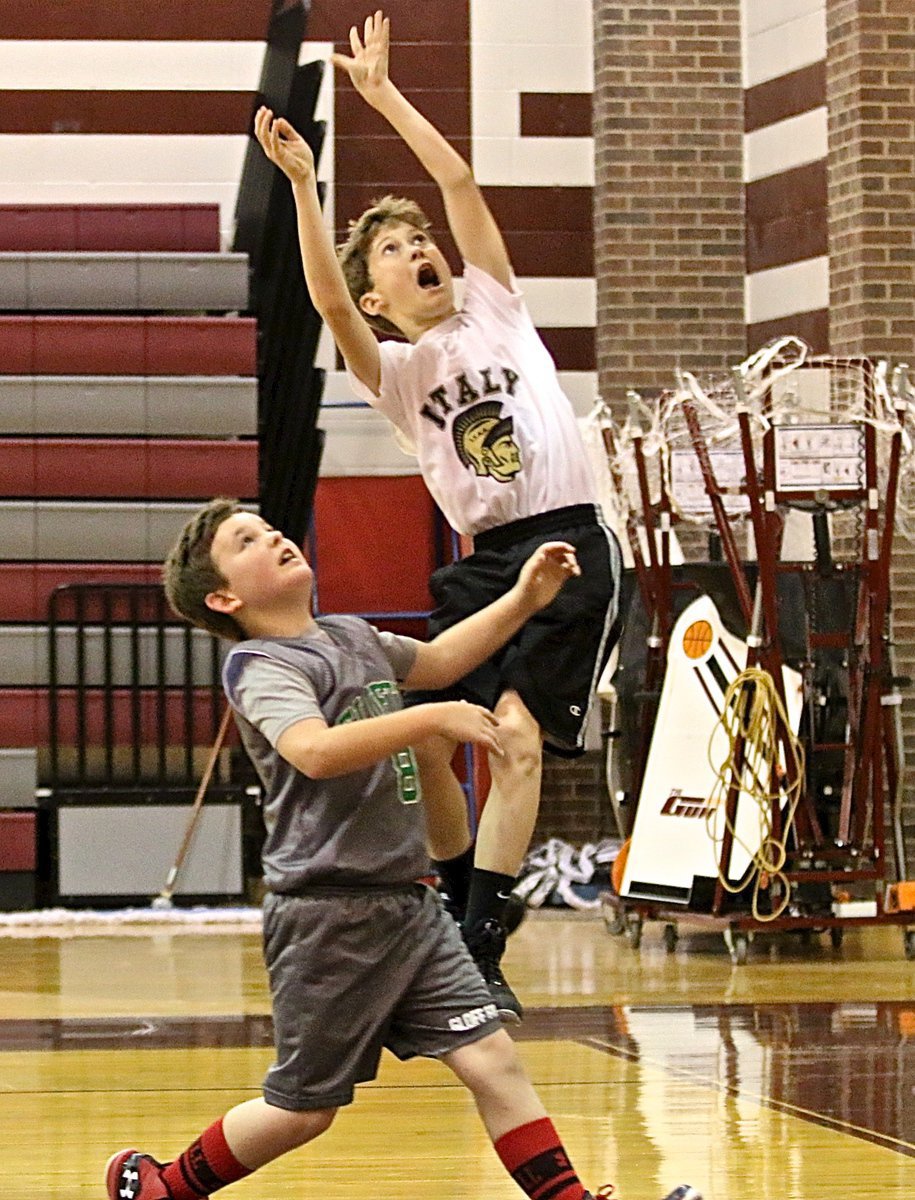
[125, 402]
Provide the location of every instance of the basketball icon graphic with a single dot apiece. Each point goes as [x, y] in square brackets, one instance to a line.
[697, 639]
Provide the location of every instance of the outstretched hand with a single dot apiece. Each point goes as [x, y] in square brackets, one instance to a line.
[368, 67]
[461, 721]
[544, 573]
[284, 146]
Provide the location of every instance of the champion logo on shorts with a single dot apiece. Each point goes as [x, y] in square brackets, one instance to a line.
[574, 710]
[473, 1017]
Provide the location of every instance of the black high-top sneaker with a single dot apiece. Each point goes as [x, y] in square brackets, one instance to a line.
[486, 943]
[513, 914]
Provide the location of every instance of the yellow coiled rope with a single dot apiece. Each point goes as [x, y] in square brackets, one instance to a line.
[752, 715]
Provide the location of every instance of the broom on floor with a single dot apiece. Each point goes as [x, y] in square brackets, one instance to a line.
[164, 898]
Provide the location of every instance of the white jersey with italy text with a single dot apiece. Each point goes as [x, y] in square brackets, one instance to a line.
[478, 401]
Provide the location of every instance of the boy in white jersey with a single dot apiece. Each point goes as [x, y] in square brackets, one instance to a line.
[359, 955]
[475, 395]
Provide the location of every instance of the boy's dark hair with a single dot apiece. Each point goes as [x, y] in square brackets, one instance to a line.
[353, 254]
[189, 573]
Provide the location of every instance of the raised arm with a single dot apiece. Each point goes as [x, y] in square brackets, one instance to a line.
[472, 224]
[326, 285]
[464, 646]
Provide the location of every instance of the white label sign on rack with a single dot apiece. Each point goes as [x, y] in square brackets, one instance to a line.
[813, 457]
[688, 487]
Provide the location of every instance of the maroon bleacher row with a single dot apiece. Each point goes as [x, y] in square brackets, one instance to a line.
[103, 345]
[106, 227]
[25, 588]
[25, 716]
[125, 468]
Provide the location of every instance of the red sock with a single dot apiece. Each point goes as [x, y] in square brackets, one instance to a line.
[537, 1161]
[206, 1166]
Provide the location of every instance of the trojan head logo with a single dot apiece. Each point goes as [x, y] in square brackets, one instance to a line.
[483, 439]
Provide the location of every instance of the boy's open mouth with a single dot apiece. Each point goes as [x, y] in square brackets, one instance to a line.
[427, 276]
[287, 556]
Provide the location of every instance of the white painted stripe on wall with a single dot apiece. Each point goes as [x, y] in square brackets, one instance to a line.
[534, 162]
[528, 46]
[134, 66]
[526, 22]
[760, 15]
[136, 159]
[561, 303]
[138, 66]
[558, 65]
[783, 291]
[786, 47]
[123, 169]
[786, 144]
[581, 388]
[359, 442]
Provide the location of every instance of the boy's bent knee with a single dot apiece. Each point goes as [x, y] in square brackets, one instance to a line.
[519, 731]
[485, 1060]
[303, 1125]
[522, 749]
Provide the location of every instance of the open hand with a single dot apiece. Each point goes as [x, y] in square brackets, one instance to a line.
[546, 571]
[464, 722]
[284, 146]
[368, 68]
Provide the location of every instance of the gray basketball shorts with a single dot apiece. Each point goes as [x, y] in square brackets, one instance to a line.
[354, 971]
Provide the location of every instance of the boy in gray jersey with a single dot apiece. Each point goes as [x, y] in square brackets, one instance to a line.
[472, 390]
[359, 955]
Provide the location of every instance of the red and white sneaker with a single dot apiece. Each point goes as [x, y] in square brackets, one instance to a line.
[683, 1192]
[130, 1175]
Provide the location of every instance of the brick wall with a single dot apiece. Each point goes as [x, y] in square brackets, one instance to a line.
[669, 246]
[669, 198]
[575, 805]
[870, 87]
[673, 119]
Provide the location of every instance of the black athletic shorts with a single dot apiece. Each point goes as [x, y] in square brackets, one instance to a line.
[555, 660]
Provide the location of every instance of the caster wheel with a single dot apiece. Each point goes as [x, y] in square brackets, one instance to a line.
[671, 937]
[738, 945]
[614, 921]
[634, 930]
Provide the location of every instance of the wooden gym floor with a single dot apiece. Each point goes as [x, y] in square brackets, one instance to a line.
[791, 1077]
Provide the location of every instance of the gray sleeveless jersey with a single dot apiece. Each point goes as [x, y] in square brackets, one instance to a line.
[356, 830]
